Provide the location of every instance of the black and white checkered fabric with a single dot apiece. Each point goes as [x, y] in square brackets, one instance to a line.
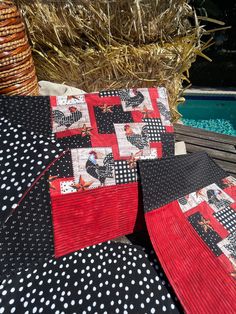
[155, 128]
[220, 204]
[108, 93]
[227, 217]
[123, 172]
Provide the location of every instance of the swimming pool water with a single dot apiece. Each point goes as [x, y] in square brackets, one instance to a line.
[217, 114]
[219, 125]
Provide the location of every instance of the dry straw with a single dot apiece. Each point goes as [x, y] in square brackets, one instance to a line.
[113, 44]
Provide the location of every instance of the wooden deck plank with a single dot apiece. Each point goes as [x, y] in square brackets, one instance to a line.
[200, 133]
[217, 154]
[227, 166]
[206, 143]
[222, 148]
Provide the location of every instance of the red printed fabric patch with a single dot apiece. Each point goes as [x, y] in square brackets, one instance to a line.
[106, 133]
[212, 213]
[193, 229]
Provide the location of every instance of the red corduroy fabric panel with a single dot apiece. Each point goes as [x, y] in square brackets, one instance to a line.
[198, 278]
[90, 217]
[232, 192]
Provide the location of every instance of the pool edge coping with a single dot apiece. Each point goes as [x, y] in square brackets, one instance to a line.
[209, 92]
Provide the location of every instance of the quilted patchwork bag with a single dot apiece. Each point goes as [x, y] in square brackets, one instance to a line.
[190, 213]
[94, 188]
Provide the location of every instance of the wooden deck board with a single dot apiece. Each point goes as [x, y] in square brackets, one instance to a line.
[227, 166]
[200, 133]
[222, 148]
[205, 143]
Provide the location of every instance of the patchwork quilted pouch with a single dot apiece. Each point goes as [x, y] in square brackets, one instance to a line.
[190, 212]
[94, 186]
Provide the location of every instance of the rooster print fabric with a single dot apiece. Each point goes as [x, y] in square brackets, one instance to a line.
[193, 228]
[70, 113]
[106, 133]
[120, 125]
[88, 167]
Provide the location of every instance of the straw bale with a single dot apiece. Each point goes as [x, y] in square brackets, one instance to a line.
[108, 44]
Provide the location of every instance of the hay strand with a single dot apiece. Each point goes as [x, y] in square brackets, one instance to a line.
[107, 44]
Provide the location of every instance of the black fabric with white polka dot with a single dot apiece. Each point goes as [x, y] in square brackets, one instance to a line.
[31, 112]
[63, 167]
[27, 236]
[105, 120]
[75, 141]
[107, 278]
[23, 157]
[168, 144]
[168, 179]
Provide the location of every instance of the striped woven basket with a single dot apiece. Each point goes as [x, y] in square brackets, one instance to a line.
[17, 71]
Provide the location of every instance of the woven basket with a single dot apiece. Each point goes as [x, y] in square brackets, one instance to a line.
[17, 71]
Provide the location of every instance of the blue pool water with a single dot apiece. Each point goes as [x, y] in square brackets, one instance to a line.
[214, 113]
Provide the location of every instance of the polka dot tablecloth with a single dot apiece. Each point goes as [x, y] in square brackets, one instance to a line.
[106, 278]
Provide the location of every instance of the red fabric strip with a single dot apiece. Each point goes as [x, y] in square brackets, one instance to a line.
[53, 101]
[68, 133]
[231, 191]
[90, 217]
[198, 278]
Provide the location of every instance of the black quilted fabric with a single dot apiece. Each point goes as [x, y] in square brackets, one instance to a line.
[165, 180]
